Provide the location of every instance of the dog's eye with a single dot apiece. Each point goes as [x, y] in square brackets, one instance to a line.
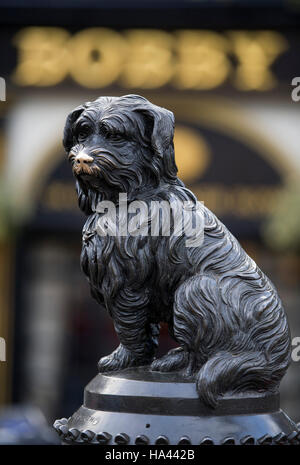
[111, 134]
[83, 132]
[115, 136]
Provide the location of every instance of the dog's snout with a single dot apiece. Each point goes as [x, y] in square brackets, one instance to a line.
[83, 159]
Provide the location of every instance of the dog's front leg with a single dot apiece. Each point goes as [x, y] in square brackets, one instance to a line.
[138, 338]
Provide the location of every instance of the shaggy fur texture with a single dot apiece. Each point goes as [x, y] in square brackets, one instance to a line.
[222, 310]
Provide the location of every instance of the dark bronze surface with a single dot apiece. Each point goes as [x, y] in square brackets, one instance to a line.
[220, 386]
[140, 391]
[222, 310]
[119, 409]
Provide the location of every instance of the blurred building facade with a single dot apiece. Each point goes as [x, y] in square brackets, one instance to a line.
[228, 82]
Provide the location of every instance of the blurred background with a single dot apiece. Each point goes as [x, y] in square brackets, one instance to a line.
[225, 69]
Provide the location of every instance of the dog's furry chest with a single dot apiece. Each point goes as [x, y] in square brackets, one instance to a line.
[96, 253]
[112, 262]
[114, 265]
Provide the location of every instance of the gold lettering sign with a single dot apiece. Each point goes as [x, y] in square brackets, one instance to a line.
[240, 201]
[60, 196]
[98, 57]
[202, 60]
[186, 59]
[150, 59]
[250, 202]
[256, 51]
[44, 59]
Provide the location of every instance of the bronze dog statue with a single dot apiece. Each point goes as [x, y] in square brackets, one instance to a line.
[222, 310]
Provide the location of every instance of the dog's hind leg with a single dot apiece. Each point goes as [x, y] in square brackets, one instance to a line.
[190, 319]
[199, 325]
[175, 359]
[226, 349]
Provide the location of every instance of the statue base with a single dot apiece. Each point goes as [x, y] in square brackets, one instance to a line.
[137, 406]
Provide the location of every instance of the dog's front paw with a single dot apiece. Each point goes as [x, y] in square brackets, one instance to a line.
[118, 360]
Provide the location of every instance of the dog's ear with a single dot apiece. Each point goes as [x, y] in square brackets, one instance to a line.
[68, 133]
[160, 127]
[163, 129]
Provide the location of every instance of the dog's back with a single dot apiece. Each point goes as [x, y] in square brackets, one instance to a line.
[230, 315]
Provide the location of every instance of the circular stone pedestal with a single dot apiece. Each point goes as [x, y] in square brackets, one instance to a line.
[137, 406]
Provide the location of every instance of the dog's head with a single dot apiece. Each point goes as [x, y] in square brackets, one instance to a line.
[119, 144]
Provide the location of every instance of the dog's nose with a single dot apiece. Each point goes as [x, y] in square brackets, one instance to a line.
[83, 159]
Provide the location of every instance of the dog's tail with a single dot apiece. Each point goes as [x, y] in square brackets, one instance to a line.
[248, 371]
